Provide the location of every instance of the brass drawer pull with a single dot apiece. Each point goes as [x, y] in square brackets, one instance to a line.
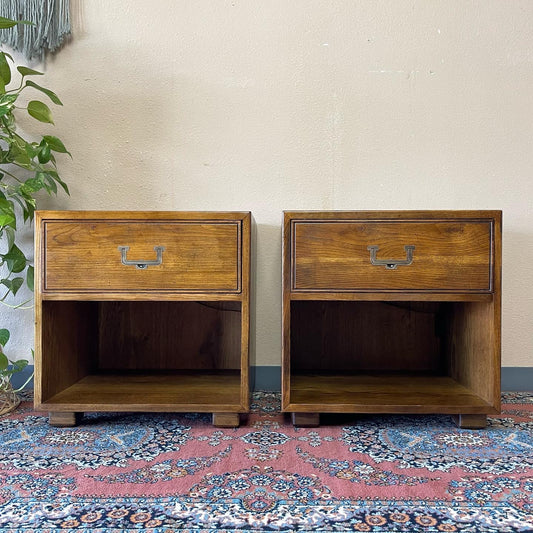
[142, 265]
[391, 264]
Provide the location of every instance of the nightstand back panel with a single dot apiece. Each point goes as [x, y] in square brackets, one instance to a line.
[369, 336]
[169, 335]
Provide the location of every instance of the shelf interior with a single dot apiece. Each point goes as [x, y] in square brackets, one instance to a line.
[152, 391]
[141, 355]
[395, 356]
[382, 393]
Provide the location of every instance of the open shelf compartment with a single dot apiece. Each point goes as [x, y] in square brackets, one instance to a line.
[142, 356]
[392, 357]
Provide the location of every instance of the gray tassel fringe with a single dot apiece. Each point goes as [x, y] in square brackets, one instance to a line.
[51, 20]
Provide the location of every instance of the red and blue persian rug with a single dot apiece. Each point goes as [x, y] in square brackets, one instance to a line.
[177, 473]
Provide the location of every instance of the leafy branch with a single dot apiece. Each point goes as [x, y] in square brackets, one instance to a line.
[26, 168]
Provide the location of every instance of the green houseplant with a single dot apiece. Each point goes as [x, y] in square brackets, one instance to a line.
[27, 167]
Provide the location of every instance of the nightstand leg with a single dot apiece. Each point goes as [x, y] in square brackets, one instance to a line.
[226, 420]
[306, 420]
[61, 420]
[470, 421]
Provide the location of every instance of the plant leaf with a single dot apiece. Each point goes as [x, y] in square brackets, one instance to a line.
[10, 232]
[44, 155]
[32, 185]
[56, 144]
[4, 362]
[4, 111]
[54, 175]
[27, 203]
[53, 96]
[40, 111]
[7, 23]
[5, 70]
[13, 285]
[15, 259]
[4, 336]
[30, 277]
[32, 149]
[63, 185]
[5, 203]
[20, 155]
[8, 99]
[51, 187]
[6, 220]
[25, 71]
[16, 284]
[19, 366]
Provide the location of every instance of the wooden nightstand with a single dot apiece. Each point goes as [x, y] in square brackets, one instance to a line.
[142, 311]
[391, 312]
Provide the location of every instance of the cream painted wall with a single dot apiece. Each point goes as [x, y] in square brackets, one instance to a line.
[303, 104]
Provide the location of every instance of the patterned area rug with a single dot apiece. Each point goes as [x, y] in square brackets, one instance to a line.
[177, 473]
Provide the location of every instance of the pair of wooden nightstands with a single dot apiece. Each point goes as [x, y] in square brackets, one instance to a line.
[383, 312]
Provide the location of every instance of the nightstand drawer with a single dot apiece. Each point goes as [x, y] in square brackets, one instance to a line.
[137, 255]
[417, 255]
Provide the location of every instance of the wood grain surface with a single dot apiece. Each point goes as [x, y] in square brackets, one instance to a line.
[85, 255]
[448, 256]
[171, 337]
[420, 338]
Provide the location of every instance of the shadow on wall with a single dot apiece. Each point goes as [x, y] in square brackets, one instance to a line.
[265, 331]
[517, 269]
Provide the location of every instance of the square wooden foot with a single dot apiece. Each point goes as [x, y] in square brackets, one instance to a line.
[470, 421]
[306, 420]
[226, 420]
[61, 420]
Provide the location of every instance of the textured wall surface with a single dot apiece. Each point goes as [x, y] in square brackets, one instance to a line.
[303, 104]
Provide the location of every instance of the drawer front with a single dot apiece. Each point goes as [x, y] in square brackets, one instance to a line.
[197, 256]
[449, 255]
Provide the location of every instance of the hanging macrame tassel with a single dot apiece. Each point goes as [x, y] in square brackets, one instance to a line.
[51, 24]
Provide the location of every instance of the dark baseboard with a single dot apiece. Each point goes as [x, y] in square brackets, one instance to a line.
[17, 380]
[268, 378]
[514, 379]
[517, 378]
